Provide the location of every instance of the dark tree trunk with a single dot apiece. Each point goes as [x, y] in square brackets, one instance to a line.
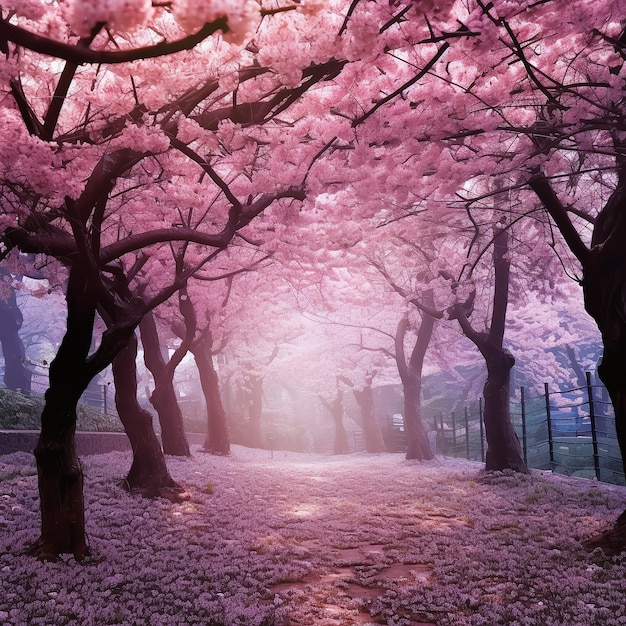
[148, 473]
[335, 408]
[217, 439]
[16, 374]
[59, 472]
[503, 447]
[604, 289]
[418, 446]
[603, 283]
[371, 428]
[201, 346]
[163, 398]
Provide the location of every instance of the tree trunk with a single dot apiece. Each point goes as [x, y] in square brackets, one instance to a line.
[163, 398]
[16, 374]
[59, 472]
[335, 408]
[503, 447]
[371, 428]
[604, 290]
[217, 439]
[604, 285]
[418, 446]
[148, 473]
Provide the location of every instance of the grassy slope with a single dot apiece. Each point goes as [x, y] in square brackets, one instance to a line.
[21, 412]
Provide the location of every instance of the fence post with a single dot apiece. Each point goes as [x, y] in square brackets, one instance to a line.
[467, 446]
[524, 445]
[104, 399]
[594, 433]
[453, 435]
[549, 421]
[442, 437]
[482, 429]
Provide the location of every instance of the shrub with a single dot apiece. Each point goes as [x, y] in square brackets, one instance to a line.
[23, 412]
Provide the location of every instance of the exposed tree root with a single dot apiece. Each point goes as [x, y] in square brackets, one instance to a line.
[45, 551]
[611, 541]
[171, 490]
[206, 450]
[174, 494]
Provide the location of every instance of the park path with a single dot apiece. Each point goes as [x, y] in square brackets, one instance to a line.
[340, 595]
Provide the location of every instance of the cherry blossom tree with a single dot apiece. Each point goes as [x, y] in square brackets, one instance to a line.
[163, 398]
[202, 344]
[503, 446]
[376, 111]
[71, 220]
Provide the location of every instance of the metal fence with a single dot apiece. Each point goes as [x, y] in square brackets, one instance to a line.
[96, 395]
[569, 431]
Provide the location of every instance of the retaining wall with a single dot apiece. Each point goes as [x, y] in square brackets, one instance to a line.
[86, 442]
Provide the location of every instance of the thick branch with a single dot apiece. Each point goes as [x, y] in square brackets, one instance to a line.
[259, 112]
[62, 89]
[58, 244]
[403, 370]
[502, 268]
[79, 54]
[188, 312]
[540, 185]
[102, 180]
[132, 243]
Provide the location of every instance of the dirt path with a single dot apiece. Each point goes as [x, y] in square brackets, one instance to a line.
[342, 594]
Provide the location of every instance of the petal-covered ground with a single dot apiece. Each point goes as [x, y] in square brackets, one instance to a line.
[299, 539]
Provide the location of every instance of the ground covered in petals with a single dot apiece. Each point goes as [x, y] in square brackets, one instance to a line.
[293, 539]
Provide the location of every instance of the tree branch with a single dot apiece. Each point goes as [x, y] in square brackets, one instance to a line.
[80, 55]
[542, 188]
[397, 92]
[401, 330]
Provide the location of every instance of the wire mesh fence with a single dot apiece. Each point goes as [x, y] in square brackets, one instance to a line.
[96, 395]
[569, 431]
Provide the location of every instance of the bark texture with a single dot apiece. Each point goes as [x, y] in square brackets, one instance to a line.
[603, 267]
[148, 473]
[217, 439]
[503, 447]
[418, 446]
[60, 477]
[371, 428]
[604, 285]
[163, 398]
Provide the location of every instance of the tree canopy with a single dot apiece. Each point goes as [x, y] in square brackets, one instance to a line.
[387, 166]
